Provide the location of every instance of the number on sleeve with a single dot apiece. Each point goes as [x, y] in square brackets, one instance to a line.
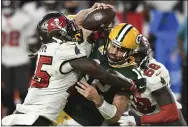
[154, 66]
[151, 70]
[143, 105]
[41, 77]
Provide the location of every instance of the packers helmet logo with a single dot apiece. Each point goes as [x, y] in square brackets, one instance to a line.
[139, 38]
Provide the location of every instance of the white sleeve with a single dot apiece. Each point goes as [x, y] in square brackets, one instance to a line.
[67, 52]
[159, 79]
[87, 46]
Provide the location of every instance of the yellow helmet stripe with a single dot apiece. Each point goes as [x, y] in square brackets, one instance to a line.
[124, 32]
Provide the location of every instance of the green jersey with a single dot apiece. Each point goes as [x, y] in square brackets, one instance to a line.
[84, 111]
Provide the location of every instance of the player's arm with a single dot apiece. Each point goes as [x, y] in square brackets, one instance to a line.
[168, 113]
[168, 110]
[79, 17]
[81, 14]
[120, 101]
[110, 112]
[92, 68]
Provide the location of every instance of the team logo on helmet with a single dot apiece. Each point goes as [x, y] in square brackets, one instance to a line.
[139, 38]
[57, 23]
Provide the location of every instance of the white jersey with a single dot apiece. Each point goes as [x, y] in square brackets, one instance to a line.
[53, 76]
[16, 30]
[157, 77]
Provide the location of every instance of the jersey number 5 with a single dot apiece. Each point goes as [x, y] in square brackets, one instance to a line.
[41, 77]
[152, 67]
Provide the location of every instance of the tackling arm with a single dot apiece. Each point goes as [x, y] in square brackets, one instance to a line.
[168, 113]
[96, 71]
[79, 18]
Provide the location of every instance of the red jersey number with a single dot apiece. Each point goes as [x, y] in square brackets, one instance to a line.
[152, 67]
[143, 105]
[41, 77]
[11, 39]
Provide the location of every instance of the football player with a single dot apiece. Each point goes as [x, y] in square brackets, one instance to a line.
[17, 32]
[59, 61]
[157, 105]
[156, 97]
[110, 101]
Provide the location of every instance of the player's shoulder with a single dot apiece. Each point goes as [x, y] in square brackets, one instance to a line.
[128, 71]
[160, 67]
[48, 49]
[159, 78]
[70, 50]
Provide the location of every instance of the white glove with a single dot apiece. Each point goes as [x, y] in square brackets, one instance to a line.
[127, 121]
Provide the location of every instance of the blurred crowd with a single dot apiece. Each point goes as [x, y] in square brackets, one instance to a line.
[164, 23]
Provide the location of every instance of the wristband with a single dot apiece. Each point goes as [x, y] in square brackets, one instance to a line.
[107, 110]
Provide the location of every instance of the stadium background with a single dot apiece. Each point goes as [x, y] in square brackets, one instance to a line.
[159, 21]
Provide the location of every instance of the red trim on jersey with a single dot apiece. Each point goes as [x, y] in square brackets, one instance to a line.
[168, 113]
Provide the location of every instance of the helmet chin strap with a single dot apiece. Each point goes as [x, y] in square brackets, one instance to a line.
[144, 62]
[121, 62]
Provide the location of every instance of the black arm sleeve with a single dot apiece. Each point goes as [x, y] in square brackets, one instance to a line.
[163, 96]
[96, 71]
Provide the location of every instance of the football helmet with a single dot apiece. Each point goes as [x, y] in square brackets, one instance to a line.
[142, 52]
[42, 26]
[121, 43]
[56, 26]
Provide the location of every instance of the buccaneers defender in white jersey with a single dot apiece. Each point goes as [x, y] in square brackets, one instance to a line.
[157, 105]
[59, 61]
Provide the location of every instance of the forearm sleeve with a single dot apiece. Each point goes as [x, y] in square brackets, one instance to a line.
[168, 113]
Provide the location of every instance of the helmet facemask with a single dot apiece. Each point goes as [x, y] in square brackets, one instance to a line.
[75, 32]
[141, 54]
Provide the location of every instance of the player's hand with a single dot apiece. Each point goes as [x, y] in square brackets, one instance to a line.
[127, 121]
[101, 5]
[88, 92]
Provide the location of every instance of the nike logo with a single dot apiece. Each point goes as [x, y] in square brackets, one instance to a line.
[158, 73]
[141, 87]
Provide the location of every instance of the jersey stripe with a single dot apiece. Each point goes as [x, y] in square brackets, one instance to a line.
[124, 32]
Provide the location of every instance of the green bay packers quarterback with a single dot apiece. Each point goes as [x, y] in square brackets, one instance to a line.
[107, 102]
